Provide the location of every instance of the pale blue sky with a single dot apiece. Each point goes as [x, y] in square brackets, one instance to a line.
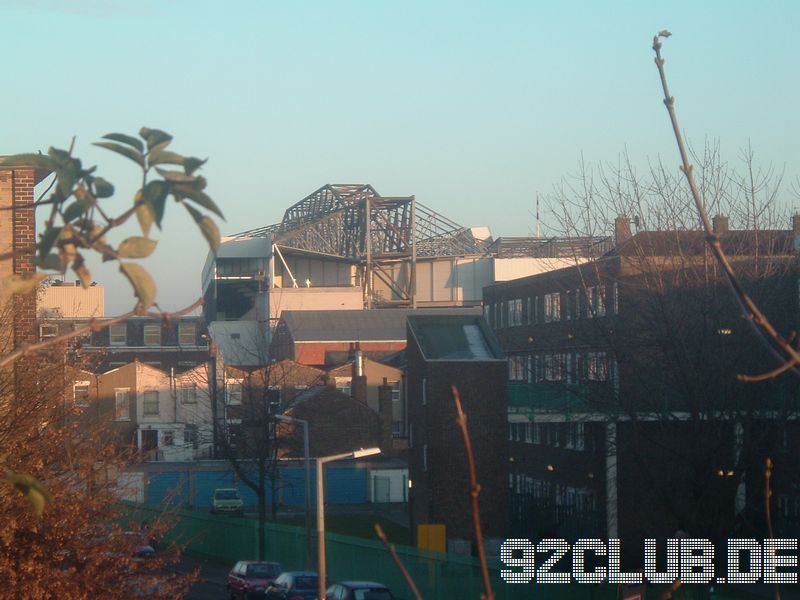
[472, 106]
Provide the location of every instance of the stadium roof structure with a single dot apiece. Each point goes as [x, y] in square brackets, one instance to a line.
[333, 221]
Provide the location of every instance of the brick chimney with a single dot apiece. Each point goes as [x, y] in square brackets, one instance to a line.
[358, 383]
[720, 224]
[385, 412]
[622, 230]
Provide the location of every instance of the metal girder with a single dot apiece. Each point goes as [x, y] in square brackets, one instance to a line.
[333, 220]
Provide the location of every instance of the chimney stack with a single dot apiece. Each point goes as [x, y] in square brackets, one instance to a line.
[622, 230]
[385, 412]
[720, 224]
[358, 381]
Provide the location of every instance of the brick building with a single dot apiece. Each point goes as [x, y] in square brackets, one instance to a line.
[18, 235]
[626, 418]
[178, 345]
[325, 338]
[456, 350]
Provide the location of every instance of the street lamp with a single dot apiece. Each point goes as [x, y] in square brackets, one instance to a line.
[321, 461]
[307, 460]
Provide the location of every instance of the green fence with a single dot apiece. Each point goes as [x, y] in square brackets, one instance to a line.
[228, 539]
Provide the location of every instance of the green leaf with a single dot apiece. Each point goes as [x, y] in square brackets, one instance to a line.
[22, 284]
[200, 198]
[164, 157]
[176, 177]
[37, 494]
[145, 215]
[143, 285]
[191, 164]
[124, 151]
[207, 227]
[102, 188]
[155, 194]
[49, 238]
[51, 262]
[73, 211]
[82, 272]
[40, 161]
[136, 247]
[126, 139]
[155, 137]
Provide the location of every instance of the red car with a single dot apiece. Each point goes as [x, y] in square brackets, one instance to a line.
[248, 579]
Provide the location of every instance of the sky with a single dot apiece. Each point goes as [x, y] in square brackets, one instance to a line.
[473, 107]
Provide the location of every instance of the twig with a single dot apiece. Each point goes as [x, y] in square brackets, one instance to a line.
[768, 510]
[475, 490]
[396, 558]
[91, 326]
[749, 308]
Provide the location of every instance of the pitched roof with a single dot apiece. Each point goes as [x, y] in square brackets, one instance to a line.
[454, 337]
[379, 325]
[768, 242]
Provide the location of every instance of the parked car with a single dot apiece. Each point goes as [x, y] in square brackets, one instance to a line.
[358, 590]
[294, 585]
[227, 501]
[249, 579]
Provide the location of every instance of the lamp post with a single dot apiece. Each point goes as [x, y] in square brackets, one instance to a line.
[307, 460]
[321, 461]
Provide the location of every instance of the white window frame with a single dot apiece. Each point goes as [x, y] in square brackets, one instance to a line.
[151, 330]
[118, 334]
[122, 404]
[47, 331]
[188, 392]
[85, 400]
[552, 307]
[187, 330]
[233, 396]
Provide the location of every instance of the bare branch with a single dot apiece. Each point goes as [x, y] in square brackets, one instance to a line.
[475, 490]
[396, 558]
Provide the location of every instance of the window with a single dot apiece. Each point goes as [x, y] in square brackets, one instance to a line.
[187, 334]
[424, 391]
[575, 438]
[152, 335]
[48, 331]
[552, 307]
[118, 334]
[554, 367]
[528, 433]
[122, 404]
[596, 298]
[596, 366]
[190, 437]
[344, 385]
[517, 367]
[188, 393]
[514, 312]
[615, 299]
[533, 307]
[234, 392]
[151, 402]
[395, 390]
[424, 457]
[80, 393]
[397, 429]
[168, 438]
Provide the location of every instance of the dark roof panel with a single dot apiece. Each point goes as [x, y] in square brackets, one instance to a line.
[380, 324]
[455, 337]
